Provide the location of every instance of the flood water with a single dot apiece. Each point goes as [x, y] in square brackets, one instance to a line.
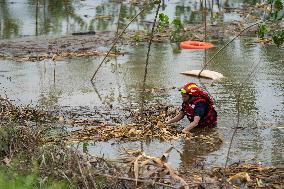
[65, 85]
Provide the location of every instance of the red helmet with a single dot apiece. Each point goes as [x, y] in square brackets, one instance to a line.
[190, 88]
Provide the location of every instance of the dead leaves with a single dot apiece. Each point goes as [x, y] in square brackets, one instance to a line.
[252, 175]
[130, 132]
[155, 169]
[7, 161]
[57, 57]
[10, 112]
[150, 126]
[239, 178]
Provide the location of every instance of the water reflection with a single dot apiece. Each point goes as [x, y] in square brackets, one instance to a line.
[8, 25]
[48, 17]
[194, 151]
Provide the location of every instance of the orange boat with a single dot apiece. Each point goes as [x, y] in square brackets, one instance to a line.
[195, 45]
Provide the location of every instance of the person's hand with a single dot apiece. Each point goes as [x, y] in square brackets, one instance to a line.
[167, 122]
[185, 131]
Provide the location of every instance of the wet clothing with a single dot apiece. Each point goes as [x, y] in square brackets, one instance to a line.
[203, 107]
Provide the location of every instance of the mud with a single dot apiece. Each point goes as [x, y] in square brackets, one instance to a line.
[54, 48]
[58, 49]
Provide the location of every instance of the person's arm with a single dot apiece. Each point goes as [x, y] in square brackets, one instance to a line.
[177, 118]
[200, 111]
[191, 125]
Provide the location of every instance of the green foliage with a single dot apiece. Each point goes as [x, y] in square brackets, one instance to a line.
[178, 26]
[101, 181]
[278, 37]
[137, 37]
[278, 9]
[278, 5]
[262, 30]
[175, 48]
[10, 179]
[177, 29]
[163, 22]
[157, 1]
[116, 50]
[85, 147]
[5, 138]
[177, 33]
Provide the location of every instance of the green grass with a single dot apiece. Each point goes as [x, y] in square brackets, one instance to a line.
[11, 179]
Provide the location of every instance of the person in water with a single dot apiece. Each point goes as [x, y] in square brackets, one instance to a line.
[197, 106]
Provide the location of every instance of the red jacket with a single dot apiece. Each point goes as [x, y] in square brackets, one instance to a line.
[210, 118]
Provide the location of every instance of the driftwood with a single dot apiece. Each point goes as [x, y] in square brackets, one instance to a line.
[205, 73]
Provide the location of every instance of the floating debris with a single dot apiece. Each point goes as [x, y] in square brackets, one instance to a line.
[252, 175]
[10, 112]
[140, 168]
[56, 57]
[205, 73]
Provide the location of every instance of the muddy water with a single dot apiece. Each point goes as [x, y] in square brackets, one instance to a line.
[64, 86]
[48, 17]
[118, 82]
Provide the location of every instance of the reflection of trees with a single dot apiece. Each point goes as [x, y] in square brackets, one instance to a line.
[8, 25]
[105, 9]
[49, 15]
[183, 11]
[192, 13]
[128, 11]
[54, 15]
[252, 2]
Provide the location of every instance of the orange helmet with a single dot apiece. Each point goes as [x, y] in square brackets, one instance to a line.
[190, 88]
